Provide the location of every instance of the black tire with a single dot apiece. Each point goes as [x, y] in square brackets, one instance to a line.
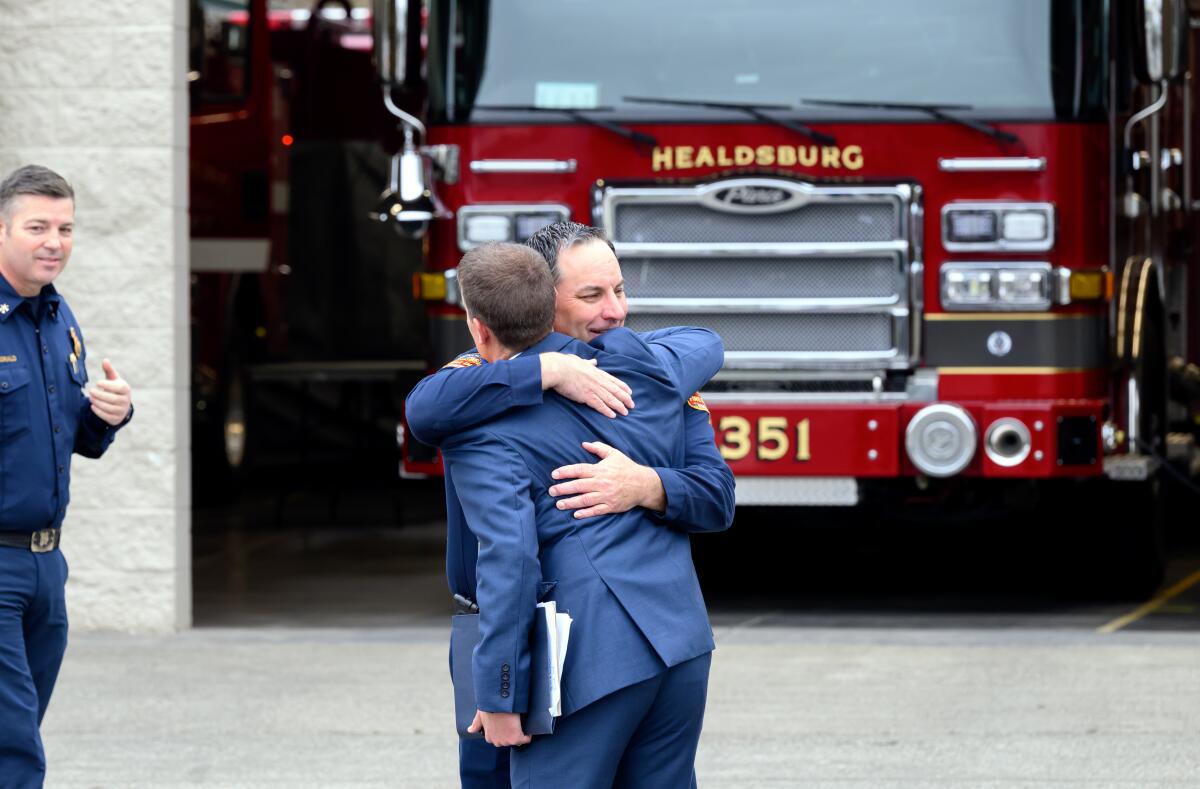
[1141, 353]
[1130, 516]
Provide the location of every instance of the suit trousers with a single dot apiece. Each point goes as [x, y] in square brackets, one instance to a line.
[33, 638]
[640, 737]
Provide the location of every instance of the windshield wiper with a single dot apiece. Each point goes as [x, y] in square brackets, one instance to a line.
[939, 111]
[637, 137]
[756, 111]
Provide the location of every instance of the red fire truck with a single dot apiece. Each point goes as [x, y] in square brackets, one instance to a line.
[949, 244]
[304, 326]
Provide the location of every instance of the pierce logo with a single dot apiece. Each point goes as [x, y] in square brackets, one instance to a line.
[748, 196]
[754, 196]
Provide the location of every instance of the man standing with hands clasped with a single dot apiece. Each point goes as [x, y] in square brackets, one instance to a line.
[47, 413]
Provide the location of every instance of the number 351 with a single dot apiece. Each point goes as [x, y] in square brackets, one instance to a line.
[770, 440]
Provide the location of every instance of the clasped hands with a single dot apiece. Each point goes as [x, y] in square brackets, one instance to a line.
[615, 483]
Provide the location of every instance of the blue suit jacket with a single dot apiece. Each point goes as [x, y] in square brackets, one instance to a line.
[627, 579]
[465, 393]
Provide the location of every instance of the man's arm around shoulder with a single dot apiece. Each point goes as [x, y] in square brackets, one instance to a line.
[462, 395]
[693, 355]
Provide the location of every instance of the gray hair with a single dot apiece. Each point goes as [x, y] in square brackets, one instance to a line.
[32, 179]
[551, 240]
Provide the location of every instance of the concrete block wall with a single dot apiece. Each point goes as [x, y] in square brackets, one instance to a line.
[98, 92]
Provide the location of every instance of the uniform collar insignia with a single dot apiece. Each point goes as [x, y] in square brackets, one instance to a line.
[3, 309]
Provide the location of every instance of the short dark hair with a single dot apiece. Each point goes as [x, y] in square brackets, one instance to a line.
[32, 179]
[508, 288]
[551, 240]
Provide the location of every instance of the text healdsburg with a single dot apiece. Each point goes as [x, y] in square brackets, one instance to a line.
[690, 157]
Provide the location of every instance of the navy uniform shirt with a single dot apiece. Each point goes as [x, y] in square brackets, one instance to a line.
[44, 413]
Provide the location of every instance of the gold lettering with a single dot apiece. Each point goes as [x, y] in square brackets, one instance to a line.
[802, 436]
[682, 157]
[772, 430]
[735, 437]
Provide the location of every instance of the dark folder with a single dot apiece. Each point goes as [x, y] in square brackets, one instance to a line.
[464, 637]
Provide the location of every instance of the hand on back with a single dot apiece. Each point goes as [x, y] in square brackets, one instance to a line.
[581, 381]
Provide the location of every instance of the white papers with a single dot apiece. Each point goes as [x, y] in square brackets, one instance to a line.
[558, 626]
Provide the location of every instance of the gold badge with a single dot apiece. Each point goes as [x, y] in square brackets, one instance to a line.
[75, 343]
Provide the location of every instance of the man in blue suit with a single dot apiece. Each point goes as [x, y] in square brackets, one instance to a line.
[696, 496]
[636, 673]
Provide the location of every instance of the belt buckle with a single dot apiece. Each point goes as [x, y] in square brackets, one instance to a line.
[43, 541]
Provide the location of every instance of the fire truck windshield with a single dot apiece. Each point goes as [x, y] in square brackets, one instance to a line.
[1011, 60]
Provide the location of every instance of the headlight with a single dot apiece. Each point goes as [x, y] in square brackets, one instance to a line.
[1024, 288]
[482, 228]
[1013, 227]
[997, 286]
[967, 287]
[1026, 226]
[971, 227]
[479, 224]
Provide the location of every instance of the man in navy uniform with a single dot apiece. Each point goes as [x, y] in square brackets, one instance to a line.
[47, 412]
[696, 497]
[636, 674]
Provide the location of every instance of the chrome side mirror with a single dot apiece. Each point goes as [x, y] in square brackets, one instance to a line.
[1161, 25]
[389, 21]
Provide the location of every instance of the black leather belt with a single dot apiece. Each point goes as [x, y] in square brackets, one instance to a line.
[42, 541]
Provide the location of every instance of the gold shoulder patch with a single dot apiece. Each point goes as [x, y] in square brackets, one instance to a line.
[697, 402]
[470, 360]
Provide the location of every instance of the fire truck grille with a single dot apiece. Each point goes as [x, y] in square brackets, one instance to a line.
[795, 277]
[805, 333]
[790, 274]
[696, 224]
